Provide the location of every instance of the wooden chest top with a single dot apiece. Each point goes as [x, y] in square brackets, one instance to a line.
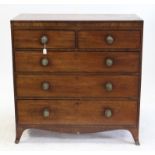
[77, 17]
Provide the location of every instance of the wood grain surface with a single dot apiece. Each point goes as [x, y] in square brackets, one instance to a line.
[27, 61]
[74, 112]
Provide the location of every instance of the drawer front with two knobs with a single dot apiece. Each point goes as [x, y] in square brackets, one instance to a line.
[76, 86]
[75, 112]
[30, 61]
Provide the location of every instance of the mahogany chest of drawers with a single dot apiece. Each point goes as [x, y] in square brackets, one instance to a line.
[77, 73]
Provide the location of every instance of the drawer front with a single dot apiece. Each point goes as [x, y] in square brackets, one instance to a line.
[32, 39]
[109, 39]
[77, 62]
[76, 86]
[77, 112]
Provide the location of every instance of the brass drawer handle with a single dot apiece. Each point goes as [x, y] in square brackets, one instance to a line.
[44, 39]
[109, 39]
[44, 62]
[109, 86]
[108, 113]
[109, 62]
[45, 85]
[46, 113]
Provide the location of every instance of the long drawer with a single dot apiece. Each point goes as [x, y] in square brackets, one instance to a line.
[77, 61]
[77, 112]
[76, 86]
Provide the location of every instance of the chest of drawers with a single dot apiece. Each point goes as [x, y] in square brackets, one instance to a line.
[77, 73]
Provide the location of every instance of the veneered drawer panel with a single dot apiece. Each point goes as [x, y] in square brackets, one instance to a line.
[32, 39]
[76, 112]
[77, 62]
[76, 86]
[117, 39]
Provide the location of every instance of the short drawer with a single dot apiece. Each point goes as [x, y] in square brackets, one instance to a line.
[32, 39]
[77, 112]
[76, 86]
[109, 39]
[77, 62]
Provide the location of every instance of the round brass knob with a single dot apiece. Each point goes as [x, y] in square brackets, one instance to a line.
[45, 85]
[44, 39]
[108, 113]
[109, 39]
[109, 62]
[108, 86]
[44, 62]
[46, 112]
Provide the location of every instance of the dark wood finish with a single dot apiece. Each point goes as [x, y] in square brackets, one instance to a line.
[77, 49]
[56, 39]
[75, 25]
[97, 39]
[76, 86]
[74, 112]
[77, 62]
